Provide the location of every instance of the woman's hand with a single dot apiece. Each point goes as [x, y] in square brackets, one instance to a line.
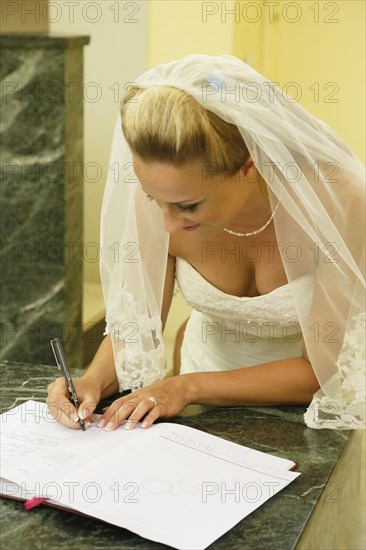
[163, 399]
[63, 410]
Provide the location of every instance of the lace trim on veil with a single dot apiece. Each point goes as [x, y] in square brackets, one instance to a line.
[135, 367]
[348, 412]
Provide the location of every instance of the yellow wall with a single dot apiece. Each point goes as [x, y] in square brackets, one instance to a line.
[108, 65]
[319, 46]
[24, 16]
[181, 27]
[327, 59]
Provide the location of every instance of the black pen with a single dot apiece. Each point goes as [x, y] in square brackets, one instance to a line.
[58, 352]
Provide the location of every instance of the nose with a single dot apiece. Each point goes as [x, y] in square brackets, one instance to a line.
[173, 221]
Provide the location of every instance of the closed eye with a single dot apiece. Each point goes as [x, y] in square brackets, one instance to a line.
[190, 208]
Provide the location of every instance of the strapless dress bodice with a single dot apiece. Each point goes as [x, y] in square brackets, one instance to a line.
[226, 331]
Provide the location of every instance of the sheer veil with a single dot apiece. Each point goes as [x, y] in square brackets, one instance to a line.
[319, 225]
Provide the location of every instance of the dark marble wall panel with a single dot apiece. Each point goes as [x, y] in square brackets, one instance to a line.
[41, 196]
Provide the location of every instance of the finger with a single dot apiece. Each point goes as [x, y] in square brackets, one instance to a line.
[87, 407]
[63, 411]
[116, 414]
[91, 419]
[59, 403]
[144, 407]
[151, 417]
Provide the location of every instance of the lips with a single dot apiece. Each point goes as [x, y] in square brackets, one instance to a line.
[191, 227]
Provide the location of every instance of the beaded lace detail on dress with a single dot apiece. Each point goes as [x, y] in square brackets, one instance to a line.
[275, 307]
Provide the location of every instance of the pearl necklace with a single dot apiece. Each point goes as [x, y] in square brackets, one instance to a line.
[257, 230]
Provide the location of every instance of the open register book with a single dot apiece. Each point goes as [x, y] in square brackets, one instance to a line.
[171, 483]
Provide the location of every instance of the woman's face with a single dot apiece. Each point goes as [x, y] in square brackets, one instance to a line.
[191, 200]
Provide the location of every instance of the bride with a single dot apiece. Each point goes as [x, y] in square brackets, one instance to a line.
[221, 183]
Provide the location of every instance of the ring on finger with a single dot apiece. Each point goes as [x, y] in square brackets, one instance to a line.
[152, 399]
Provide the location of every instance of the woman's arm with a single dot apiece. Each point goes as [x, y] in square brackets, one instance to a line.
[100, 379]
[168, 289]
[284, 382]
[101, 372]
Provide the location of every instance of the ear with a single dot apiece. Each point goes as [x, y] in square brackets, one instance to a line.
[247, 166]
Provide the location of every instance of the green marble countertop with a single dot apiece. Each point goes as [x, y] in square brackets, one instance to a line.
[279, 523]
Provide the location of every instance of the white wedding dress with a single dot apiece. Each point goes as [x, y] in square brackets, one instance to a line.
[226, 332]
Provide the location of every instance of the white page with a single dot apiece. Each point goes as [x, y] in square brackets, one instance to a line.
[36, 448]
[186, 501]
[170, 483]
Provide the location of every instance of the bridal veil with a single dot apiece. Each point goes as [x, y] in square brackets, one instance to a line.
[319, 225]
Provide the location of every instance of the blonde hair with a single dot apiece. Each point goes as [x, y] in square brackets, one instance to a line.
[166, 124]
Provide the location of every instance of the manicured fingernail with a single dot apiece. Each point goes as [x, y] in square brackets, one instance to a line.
[128, 425]
[87, 424]
[109, 427]
[74, 417]
[83, 414]
[143, 424]
[101, 423]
